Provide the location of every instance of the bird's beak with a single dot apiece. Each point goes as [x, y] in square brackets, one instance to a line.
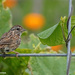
[23, 30]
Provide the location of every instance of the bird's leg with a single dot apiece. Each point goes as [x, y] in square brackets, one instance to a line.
[16, 53]
[3, 54]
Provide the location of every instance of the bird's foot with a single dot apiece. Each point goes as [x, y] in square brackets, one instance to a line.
[16, 53]
[4, 54]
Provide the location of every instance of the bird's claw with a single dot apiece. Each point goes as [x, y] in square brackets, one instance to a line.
[17, 54]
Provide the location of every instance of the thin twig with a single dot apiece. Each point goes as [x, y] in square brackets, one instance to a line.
[68, 39]
[63, 33]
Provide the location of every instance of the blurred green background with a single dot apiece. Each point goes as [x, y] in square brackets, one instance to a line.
[52, 10]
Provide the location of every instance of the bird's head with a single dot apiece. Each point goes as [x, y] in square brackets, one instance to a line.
[17, 28]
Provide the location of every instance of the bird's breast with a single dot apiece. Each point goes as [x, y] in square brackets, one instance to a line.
[16, 42]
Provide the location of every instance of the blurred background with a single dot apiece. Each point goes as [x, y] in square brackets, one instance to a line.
[38, 15]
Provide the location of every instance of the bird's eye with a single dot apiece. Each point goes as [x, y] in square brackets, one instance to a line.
[18, 29]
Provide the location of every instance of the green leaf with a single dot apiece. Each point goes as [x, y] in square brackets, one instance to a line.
[5, 18]
[47, 32]
[48, 65]
[52, 36]
[73, 24]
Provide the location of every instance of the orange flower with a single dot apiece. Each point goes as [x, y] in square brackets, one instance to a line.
[73, 49]
[34, 21]
[9, 3]
[56, 48]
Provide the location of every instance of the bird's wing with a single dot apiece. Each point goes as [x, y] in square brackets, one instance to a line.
[6, 39]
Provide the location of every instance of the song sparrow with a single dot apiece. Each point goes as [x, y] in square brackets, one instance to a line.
[11, 39]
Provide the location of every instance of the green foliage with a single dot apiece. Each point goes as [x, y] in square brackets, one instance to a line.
[73, 24]
[31, 43]
[14, 66]
[5, 18]
[72, 68]
[51, 66]
[48, 65]
[53, 36]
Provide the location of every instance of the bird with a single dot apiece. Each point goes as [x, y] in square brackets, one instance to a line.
[11, 39]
